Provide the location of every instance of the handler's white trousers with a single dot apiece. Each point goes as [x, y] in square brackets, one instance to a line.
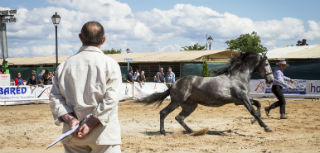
[73, 148]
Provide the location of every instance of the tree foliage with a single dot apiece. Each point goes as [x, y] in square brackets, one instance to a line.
[196, 46]
[112, 51]
[205, 70]
[247, 43]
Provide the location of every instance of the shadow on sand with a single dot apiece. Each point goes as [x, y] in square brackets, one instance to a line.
[196, 133]
[152, 133]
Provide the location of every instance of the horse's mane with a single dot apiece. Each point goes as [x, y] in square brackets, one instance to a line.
[236, 63]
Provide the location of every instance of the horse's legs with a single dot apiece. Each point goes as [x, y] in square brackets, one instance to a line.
[187, 109]
[258, 105]
[247, 103]
[164, 113]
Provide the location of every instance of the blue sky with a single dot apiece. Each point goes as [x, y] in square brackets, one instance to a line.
[154, 25]
[254, 9]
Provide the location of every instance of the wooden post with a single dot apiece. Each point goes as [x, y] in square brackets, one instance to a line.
[132, 90]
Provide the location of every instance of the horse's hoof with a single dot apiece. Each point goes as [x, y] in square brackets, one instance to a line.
[253, 120]
[163, 132]
[267, 129]
[188, 131]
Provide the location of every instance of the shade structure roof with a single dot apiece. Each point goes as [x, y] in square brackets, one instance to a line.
[290, 52]
[140, 57]
[174, 56]
[295, 52]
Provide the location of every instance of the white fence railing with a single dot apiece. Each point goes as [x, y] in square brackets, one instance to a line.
[12, 95]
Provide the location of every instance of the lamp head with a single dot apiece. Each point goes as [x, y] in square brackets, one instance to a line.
[56, 19]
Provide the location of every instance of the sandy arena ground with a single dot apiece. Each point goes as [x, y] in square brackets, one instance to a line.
[30, 128]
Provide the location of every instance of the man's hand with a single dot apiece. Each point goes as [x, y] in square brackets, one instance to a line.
[290, 88]
[70, 120]
[86, 128]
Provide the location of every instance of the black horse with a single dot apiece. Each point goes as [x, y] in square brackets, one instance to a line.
[230, 86]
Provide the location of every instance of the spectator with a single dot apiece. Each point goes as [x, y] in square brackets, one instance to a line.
[18, 80]
[39, 77]
[171, 77]
[46, 78]
[51, 76]
[141, 78]
[136, 74]
[33, 72]
[159, 77]
[32, 81]
[130, 76]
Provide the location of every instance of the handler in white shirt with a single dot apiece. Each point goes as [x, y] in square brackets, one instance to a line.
[87, 85]
[278, 84]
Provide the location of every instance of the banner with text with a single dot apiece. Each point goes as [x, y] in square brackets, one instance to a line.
[4, 79]
[301, 88]
[258, 88]
[18, 93]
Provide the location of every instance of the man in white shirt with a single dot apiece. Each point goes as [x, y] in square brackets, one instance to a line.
[278, 84]
[86, 85]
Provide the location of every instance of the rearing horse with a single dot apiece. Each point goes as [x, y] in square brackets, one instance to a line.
[230, 86]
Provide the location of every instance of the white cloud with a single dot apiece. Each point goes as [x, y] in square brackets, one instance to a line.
[154, 30]
[173, 47]
[193, 22]
[314, 30]
[287, 28]
[142, 31]
[43, 50]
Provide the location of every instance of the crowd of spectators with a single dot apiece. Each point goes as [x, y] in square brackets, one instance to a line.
[45, 77]
[160, 77]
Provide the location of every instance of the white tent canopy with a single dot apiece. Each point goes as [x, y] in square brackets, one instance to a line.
[295, 52]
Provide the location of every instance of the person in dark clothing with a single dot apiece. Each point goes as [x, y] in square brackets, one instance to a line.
[130, 76]
[278, 84]
[32, 81]
[47, 79]
[160, 76]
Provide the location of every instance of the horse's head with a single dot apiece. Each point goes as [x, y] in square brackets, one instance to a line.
[264, 69]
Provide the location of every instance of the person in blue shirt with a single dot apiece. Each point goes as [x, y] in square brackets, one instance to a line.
[278, 84]
[171, 77]
[130, 76]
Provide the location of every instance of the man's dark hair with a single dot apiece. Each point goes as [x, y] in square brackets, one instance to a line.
[92, 36]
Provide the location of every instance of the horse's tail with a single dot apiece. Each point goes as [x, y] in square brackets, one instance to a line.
[155, 98]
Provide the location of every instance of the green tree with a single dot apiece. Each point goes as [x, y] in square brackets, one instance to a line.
[196, 46]
[112, 51]
[247, 43]
[205, 70]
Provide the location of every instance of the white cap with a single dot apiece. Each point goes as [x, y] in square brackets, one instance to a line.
[283, 62]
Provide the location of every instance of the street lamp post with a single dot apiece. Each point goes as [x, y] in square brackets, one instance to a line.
[6, 16]
[209, 42]
[56, 20]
